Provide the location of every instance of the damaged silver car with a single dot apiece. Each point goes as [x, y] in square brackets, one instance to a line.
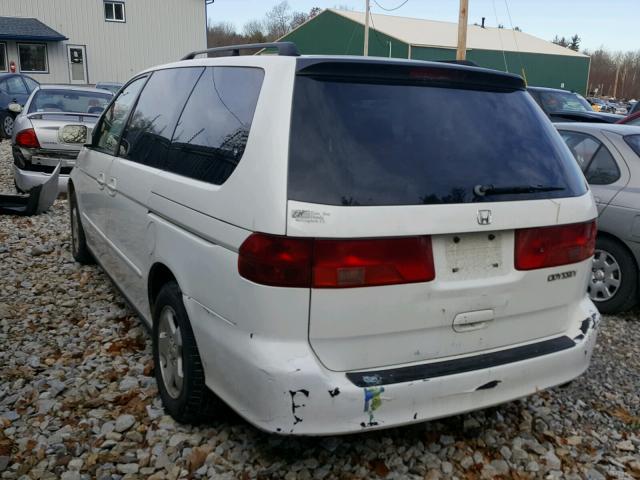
[37, 144]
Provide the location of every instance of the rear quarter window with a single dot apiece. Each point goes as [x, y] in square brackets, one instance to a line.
[361, 144]
[213, 130]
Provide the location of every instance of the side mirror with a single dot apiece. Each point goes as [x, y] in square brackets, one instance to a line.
[15, 107]
[73, 134]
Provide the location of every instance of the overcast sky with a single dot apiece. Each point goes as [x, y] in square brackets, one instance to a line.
[612, 23]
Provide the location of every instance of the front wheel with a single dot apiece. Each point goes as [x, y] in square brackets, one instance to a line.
[178, 368]
[79, 248]
[613, 285]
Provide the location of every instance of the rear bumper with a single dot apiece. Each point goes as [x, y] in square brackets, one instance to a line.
[281, 387]
[27, 179]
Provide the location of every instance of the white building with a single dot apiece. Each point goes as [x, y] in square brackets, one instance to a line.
[88, 41]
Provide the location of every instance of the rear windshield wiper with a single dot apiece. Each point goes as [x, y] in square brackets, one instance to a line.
[482, 190]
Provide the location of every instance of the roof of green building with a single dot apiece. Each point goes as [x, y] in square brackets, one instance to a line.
[431, 33]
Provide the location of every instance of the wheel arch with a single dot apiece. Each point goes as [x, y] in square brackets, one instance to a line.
[622, 243]
[159, 275]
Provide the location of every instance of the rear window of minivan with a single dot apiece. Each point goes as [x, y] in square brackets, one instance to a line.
[356, 142]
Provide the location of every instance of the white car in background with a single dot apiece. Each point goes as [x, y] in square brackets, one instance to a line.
[315, 243]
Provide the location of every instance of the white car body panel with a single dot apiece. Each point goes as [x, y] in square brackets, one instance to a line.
[277, 355]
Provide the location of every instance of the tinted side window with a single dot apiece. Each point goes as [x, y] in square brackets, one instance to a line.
[594, 158]
[602, 169]
[148, 134]
[583, 147]
[15, 85]
[107, 135]
[31, 84]
[212, 133]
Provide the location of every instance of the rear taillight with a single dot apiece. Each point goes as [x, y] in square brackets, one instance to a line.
[277, 261]
[359, 263]
[27, 138]
[298, 262]
[546, 247]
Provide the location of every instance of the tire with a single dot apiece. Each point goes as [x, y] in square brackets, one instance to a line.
[186, 398]
[79, 248]
[613, 286]
[6, 125]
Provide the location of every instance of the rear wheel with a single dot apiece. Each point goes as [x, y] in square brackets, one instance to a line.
[614, 277]
[6, 125]
[178, 368]
[79, 248]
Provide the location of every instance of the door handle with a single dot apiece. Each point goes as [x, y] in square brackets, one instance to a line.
[100, 180]
[470, 321]
[112, 186]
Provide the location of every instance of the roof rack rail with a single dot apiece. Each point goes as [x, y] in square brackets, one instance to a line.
[287, 49]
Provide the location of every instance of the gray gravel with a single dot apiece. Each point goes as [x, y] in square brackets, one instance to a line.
[78, 399]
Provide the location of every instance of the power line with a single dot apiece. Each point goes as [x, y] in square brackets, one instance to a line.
[375, 31]
[515, 39]
[390, 9]
[504, 56]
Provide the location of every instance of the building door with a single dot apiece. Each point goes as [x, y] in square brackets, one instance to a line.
[77, 63]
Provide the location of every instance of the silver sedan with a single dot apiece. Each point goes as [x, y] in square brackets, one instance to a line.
[37, 148]
[609, 156]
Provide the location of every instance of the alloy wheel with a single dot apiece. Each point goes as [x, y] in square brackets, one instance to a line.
[170, 352]
[606, 276]
[7, 125]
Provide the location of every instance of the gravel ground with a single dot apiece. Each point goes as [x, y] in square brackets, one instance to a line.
[78, 398]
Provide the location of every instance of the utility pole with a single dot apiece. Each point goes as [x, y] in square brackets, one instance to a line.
[463, 20]
[615, 85]
[366, 27]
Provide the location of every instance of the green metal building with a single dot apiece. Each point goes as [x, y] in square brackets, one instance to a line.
[542, 63]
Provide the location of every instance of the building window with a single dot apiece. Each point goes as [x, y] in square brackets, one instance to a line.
[33, 57]
[3, 57]
[114, 11]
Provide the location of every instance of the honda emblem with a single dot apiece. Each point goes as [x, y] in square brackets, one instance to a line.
[484, 217]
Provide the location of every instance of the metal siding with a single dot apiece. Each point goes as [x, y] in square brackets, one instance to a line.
[333, 34]
[346, 38]
[155, 32]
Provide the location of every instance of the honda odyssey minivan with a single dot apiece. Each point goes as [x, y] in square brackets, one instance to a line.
[314, 243]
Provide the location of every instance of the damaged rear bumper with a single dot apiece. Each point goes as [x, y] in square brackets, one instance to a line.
[28, 179]
[281, 387]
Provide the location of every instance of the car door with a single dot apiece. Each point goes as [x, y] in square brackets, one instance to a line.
[92, 166]
[143, 152]
[16, 89]
[601, 163]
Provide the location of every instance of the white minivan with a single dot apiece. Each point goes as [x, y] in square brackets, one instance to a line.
[337, 244]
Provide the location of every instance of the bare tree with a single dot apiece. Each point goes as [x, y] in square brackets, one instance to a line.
[278, 21]
[297, 19]
[222, 33]
[253, 32]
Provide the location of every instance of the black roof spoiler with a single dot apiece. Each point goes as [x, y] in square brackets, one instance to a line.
[468, 63]
[286, 49]
[372, 69]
